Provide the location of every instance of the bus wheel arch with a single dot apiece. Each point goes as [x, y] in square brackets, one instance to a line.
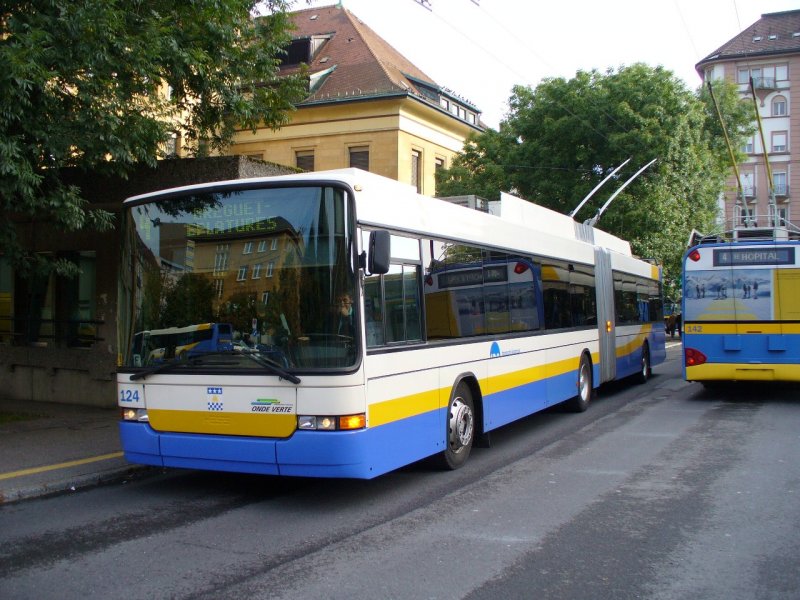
[645, 366]
[585, 385]
[462, 423]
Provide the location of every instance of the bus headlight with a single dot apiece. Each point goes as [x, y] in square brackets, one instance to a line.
[331, 423]
[135, 414]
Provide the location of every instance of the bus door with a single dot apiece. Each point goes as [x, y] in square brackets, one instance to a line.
[784, 297]
[605, 314]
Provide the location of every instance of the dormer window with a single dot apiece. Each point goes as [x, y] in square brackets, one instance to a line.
[303, 50]
[299, 51]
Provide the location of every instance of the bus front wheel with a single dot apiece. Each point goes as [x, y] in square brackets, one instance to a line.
[459, 428]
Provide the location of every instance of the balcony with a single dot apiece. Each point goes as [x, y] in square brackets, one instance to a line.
[765, 83]
[781, 191]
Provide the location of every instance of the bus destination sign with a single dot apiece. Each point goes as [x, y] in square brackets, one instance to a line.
[735, 257]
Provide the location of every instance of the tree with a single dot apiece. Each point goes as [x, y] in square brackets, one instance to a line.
[102, 85]
[565, 136]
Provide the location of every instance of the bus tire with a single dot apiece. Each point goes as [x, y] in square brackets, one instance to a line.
[645, 369]
[459, 429]
[585, 390]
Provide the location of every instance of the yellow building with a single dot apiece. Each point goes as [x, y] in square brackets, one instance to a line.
[367, 107]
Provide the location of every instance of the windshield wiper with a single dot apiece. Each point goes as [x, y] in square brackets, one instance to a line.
[197, 359]
[160, 367]
[265, 362]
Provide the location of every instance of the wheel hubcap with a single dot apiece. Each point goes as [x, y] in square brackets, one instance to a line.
[461, 425]
[584, 382]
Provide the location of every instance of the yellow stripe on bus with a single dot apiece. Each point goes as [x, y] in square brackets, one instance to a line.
[743, 372]
[741, 328]
[411, 405]
[404, 407]
[223, 423]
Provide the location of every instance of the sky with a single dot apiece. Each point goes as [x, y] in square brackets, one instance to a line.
[480, 49]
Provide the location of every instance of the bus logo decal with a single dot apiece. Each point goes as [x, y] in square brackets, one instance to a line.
[214, 403]
[494, 351]
[270, 405]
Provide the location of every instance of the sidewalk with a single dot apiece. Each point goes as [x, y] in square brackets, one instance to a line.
[48, 448]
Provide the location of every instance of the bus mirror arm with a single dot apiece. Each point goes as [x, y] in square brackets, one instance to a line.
[379, 252]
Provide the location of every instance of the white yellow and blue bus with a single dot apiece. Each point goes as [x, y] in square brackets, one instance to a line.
[387, 326]
[741, 310]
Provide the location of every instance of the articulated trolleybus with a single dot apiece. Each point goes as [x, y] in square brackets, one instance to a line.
[741, 307]
[371, 327]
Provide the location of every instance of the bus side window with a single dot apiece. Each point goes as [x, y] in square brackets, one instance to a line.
[373, 310]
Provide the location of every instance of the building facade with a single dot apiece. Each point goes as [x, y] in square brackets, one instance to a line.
[58, 335]
[767, 54]
[367, 107]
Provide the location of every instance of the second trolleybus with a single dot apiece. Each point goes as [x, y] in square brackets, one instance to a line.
[371, 326]
[741, 307]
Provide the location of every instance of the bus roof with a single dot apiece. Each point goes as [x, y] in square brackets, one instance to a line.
[509, 224]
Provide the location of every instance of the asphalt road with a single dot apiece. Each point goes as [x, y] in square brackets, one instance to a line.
[660, 491]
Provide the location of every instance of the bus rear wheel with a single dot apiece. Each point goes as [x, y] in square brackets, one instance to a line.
[645, 369]
[459, 429]
[585, 389]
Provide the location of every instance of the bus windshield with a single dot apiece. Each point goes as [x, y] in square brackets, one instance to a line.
[239, 274]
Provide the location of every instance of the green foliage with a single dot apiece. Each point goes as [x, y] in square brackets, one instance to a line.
[565, 136]
[82, 85]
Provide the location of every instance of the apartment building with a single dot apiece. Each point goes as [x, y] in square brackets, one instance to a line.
[768, 54]
[367, 107]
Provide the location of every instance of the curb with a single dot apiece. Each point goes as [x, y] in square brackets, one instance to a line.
[74, 484]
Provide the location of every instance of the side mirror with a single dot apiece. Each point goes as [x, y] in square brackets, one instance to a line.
[379, 252]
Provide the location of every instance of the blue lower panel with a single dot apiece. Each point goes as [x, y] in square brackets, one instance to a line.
[752, 348]
[362, 454]
[504, 407]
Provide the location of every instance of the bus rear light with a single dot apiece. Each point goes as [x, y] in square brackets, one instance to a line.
[331, 423]
[694, 357]
[520, 268]
[694, 255]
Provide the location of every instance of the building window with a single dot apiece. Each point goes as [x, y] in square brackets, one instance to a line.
[782, 72]
[270, 268]
[262, 245]
[304, 159]
[219, 284]
[264, 297]
[748, 184]
[748, 146]
[50, 310]
[221, 259]
[779, 106]
[242, 274]
[274, 245]
[779, 182]
[359, 157]
[778, 215]
[416, 170]
[744, 218]
[256, 271]
[779, 141]
[248, 248]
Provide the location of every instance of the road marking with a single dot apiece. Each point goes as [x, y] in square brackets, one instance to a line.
[63, 465]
